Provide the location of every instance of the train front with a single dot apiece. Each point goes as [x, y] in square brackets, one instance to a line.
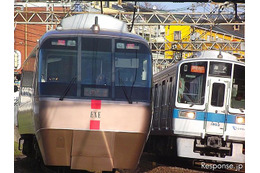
[211, 109]
[92, 110]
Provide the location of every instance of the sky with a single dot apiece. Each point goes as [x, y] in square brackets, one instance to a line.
[188, 7]
[172, 6]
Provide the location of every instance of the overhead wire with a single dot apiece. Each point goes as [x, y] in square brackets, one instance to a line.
[190, 33]
[216, 24]
[27, 45]
[212, 12]
[25, 39]
[133, 17]
[27, 32]
[38, 29]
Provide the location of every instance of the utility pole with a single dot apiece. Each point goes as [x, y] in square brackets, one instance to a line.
[26, 38]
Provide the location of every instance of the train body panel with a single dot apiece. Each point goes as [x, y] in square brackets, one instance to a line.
[25, 117]
[216, 123]
[26, 95]
[235, 131]
[206, 103]
[102, 151]
[186, 126]
[79, 114]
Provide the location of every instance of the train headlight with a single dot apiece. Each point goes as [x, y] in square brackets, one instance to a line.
[95, 27]
[240, 120]
[189, 115]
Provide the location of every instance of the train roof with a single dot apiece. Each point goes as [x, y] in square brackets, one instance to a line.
[72, 32]
[82, 24]
[87, 20]
[211, 55]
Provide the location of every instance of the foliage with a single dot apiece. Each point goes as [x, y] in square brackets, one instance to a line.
[16, 151]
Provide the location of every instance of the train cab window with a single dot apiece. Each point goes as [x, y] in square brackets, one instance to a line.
[238, 88]
[58, 59]
[218, 94]
[94, 70]
[132, 71]
[220, 69]
[191, 84]
[96, 67]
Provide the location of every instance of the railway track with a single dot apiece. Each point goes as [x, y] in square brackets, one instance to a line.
[148, 164]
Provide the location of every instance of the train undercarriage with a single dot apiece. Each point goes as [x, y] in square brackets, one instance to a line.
[212, 152]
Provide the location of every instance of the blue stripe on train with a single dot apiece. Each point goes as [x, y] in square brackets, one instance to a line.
[213, 117]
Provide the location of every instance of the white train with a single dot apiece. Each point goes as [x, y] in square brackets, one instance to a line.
[199, 109]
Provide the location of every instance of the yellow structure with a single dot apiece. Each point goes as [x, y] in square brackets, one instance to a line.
[183, 40]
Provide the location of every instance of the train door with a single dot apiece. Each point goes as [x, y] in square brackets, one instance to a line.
[217, 105]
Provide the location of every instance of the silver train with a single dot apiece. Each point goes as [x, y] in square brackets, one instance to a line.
[85, 97]
[199, 109]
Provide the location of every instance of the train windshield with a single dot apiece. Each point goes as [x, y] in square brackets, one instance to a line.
[192, 80]
[132, 71]
[58, 59]
[97, 69]
[238, 87]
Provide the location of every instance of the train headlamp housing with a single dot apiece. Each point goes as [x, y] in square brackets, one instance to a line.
[240, 119]
[187, 114]
[95, 28]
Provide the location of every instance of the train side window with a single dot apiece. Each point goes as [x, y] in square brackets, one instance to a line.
[218, 94]
[163, 102]
[159, 96]
[169, 90]
[156, 101]
[155, 95]
[173, 86]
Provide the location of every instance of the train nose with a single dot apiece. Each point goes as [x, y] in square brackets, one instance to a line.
[90, 150]
[97, 153]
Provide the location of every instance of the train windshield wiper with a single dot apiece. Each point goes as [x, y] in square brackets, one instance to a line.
[68, 88]
[197, 102]
[124, 89]
[241, 110]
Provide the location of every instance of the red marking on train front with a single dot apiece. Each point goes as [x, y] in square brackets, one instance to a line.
[94, 125]
[95, 104]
